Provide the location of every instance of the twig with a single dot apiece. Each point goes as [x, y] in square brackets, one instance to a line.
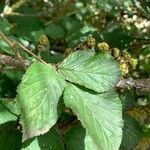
[8, 41]
[14, 48]
[7, 2]
[140, 39]
[14, 43]
[40, 14]
[144, 14]
[8, 60]
[32, 54]
[140, 85]
[66, 126]
[18, 4]
[8, 68]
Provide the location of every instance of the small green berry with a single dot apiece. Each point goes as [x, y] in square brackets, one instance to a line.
[127, 56]
[68, 51]
[43, 40]
[90, 42]
[43, 43]
[104, 47]
[134, 63]
[124, 68]
[116, 52]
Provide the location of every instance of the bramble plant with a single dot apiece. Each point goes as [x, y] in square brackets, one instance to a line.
[73, 75]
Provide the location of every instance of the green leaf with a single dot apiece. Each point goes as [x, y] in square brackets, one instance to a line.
[10, 137]
[31, 144]
[107, 5]
[26, 27]
[8, 110]
[97, 72]
[77, 139]
[49, 141]
[71, 25]
[38, 95]
[100, 114]
[128, 99]
[131, 133]
[5, 48]
[4, 25]
[54, 31]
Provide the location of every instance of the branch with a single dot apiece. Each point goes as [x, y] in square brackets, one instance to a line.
[140, 85]
[8, 60]
[18, 4]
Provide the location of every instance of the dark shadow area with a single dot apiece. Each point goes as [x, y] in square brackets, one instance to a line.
[10, 136]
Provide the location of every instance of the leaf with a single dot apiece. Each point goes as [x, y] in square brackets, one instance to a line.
[71, 25]
[4, 25]
[10, 137]
[8, 110]
[49, 141]
[5, 48]
[77, 139]
[38, 95]
[100, 114]
[31, 144]
[79, 36]
[107, 5]
[128, 99]
[25, 27]
[54, 31]
[97, 72]
[131, 133]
